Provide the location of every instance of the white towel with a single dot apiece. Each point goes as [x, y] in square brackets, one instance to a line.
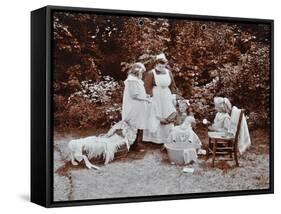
[244, 140]
[244, 136]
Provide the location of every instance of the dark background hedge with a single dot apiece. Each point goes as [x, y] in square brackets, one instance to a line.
[92, 54]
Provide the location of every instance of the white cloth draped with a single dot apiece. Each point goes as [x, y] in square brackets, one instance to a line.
[244, 140]
[104, 145]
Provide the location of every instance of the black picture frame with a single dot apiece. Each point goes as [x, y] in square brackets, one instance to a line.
[41, 107]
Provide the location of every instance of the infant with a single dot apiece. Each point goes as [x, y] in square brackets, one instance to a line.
[184, 134]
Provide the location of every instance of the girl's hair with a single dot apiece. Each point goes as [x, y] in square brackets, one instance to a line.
[134, 69]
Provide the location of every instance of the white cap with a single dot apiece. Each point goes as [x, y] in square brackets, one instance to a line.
[161, 57]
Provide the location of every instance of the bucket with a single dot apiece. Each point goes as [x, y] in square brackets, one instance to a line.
[176, 152]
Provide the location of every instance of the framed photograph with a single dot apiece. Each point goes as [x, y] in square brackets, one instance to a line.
[133, 106]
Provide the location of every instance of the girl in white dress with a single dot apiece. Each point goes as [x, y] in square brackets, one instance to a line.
[135, 101]
[222, 118]
[163, 99]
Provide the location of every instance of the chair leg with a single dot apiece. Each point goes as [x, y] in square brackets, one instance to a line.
[230, 152]
[209, 147]
[214, 153]
[235, 154]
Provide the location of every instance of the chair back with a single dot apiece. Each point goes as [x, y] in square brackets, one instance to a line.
[235, 122]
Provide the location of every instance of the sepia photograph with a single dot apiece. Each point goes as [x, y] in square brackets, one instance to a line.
[147, 105]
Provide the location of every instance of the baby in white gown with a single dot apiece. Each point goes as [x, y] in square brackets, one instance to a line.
[185, 134]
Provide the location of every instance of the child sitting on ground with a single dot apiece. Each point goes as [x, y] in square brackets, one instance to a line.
[178, 117]
[182, 111]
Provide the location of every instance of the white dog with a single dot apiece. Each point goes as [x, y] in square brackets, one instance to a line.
[104, 145]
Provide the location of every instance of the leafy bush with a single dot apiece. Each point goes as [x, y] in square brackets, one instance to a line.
[94, 104]
[92, 55]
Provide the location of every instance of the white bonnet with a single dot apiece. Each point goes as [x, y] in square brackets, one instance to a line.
[223, 101]
[184, 101]
[161, 57]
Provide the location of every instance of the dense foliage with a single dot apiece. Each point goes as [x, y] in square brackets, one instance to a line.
[93, 53]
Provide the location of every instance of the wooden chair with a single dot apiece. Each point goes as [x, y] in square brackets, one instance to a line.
[226, 143]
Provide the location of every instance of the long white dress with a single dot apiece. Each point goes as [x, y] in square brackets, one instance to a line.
[163, 99]
[133, 109]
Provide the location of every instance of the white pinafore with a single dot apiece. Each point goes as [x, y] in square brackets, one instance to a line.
[222, 121]
[134, 110]
[162, 97]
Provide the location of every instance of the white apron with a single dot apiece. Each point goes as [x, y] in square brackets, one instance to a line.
[163, 99]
